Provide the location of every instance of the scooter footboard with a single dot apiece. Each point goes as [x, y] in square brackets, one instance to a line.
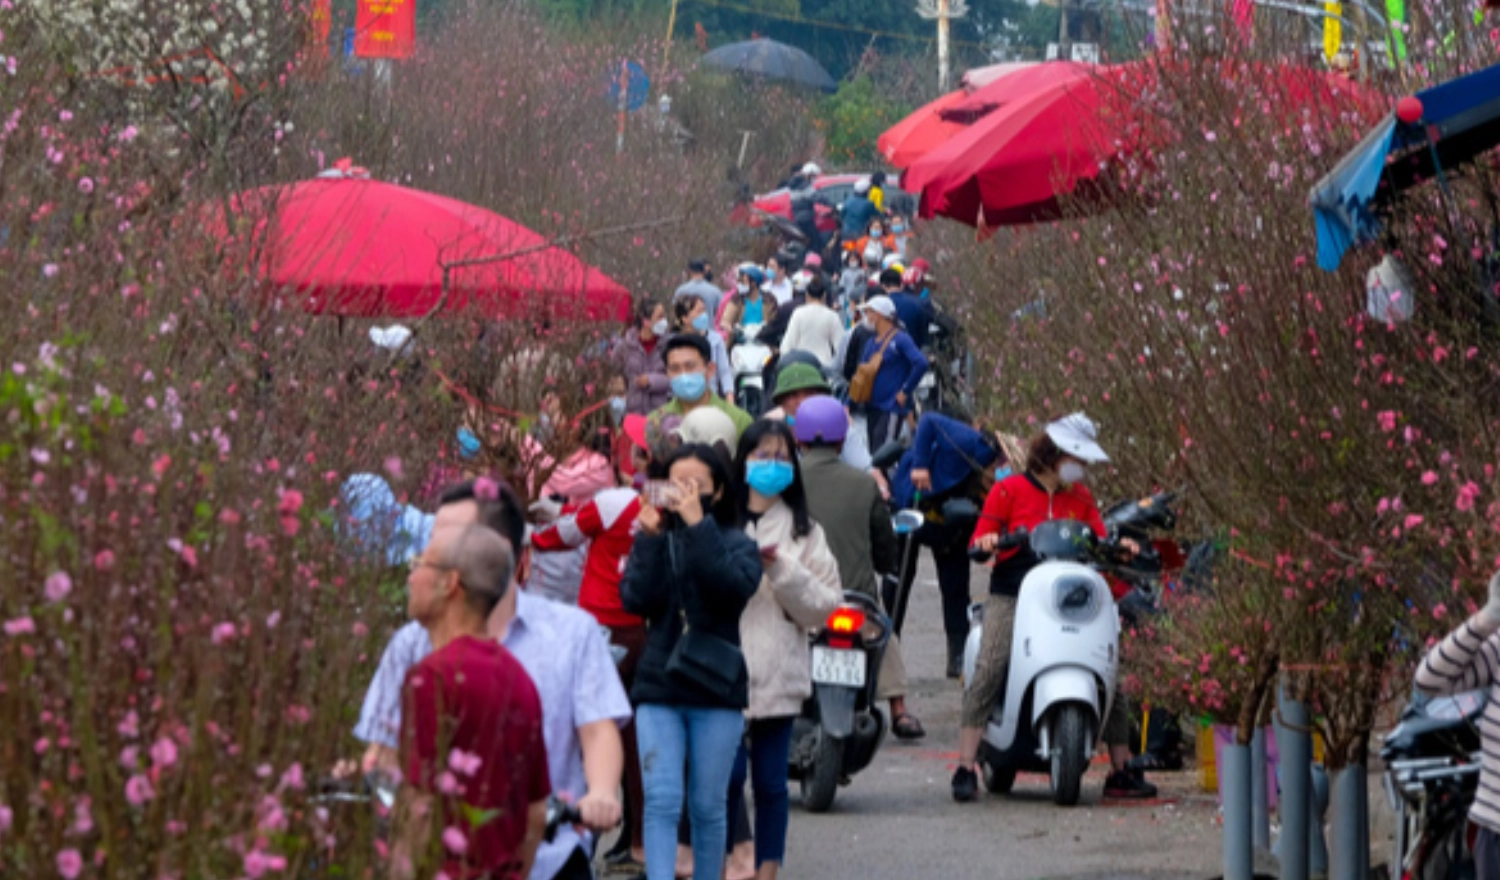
[1068, 684]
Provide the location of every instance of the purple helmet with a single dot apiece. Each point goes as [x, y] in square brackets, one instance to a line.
[821, 419]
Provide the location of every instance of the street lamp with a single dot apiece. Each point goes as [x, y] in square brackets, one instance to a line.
[943, 11]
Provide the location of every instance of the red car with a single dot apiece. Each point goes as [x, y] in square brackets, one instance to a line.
[836, 188]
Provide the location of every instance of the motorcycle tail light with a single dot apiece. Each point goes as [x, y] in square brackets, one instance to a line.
[846, 620]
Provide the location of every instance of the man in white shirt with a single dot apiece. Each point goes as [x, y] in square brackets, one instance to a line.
[815, 328]
[780, 284]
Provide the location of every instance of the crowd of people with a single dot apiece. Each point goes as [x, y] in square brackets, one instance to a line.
[636, 640]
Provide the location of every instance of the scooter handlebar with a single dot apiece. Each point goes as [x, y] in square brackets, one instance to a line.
[1007, 542]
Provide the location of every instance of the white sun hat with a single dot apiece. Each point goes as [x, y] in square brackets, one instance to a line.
[1077, 436]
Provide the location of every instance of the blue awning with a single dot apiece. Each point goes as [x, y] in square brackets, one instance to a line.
[1460, 119]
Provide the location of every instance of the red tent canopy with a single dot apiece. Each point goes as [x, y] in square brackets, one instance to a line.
[356, 247]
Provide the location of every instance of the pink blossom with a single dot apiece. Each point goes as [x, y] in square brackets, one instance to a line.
[486, 489]
[1466, 495]
[6, 818]
[129, 726]
[258, 863]
[292, 778]
[291, 502]
[455, 840]
[86, 185]
[20, 626]
[222, 633]
[1429, 478]
[1439, 611]
[393, 467]
[1413, 520]
[466, 763]
[58, 586]
[1387, 420]
[447, 783]
[128, 133]
[164, 752]
[138, 790]
[83, 816]
[129, 757]
[69, 863]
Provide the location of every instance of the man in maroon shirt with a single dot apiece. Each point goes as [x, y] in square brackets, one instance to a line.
[472, 749]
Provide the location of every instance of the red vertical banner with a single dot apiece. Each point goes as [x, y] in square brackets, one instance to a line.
[320, 22]
[385, 28]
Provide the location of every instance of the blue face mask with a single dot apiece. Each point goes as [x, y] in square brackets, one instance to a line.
[700, 323]
[617, 409]
[468, 444]
[769, 478]
[1002, 472]
[689, 386]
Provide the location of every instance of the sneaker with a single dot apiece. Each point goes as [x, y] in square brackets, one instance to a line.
[1128, 785]
[965, 785]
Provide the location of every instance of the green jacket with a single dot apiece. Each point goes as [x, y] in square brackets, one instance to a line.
[673, 407]
[856, 522]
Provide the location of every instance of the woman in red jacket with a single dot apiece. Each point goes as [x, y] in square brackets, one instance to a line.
[1052, 488]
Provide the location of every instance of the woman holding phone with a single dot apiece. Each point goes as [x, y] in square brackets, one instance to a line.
[798, 591]
[690, 575]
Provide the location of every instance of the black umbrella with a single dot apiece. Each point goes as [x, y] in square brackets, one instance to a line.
[772, 60]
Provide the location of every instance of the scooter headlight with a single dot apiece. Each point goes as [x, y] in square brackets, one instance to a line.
[1076, 599]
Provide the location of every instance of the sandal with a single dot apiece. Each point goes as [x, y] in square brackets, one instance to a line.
[906, 726]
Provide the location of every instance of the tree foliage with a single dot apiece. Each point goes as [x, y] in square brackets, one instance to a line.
[853, 118]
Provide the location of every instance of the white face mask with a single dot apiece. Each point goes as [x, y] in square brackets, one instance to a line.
[1071, 472]
[743, 287]
[659, 328]
[867, 322]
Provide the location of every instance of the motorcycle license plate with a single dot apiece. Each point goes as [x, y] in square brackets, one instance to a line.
[832, 666]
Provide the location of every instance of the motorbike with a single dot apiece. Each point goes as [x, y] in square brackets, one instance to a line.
[1432, 761]
[1063, 661]
[748, 358]
[841, 727]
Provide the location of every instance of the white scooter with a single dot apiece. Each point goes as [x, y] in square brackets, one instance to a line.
[1063, 658]
[748, 358]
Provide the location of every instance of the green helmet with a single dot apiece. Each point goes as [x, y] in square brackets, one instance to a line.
[799, 377]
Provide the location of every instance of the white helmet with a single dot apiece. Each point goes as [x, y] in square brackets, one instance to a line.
[811, 169]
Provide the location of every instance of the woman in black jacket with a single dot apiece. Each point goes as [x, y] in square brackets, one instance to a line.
[690, 569]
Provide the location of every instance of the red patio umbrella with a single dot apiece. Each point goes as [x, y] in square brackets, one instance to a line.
[350, 246]
[933, 125]
[1054, 127]
[921, 132]
[1014, 160]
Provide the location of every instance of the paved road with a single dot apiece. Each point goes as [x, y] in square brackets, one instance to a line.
[898, 820]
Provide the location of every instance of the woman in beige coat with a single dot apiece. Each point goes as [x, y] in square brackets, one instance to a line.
[798, 591]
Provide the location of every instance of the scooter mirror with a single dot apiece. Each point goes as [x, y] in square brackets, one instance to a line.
[907, 521]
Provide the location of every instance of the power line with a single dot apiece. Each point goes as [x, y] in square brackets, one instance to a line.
[830, 25]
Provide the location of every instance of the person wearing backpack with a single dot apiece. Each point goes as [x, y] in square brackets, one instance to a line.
[890, 368]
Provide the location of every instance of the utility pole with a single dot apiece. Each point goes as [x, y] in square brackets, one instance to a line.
[943, 11]
[1064, 46]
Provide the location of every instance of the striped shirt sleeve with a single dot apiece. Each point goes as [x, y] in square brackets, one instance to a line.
[1468, 659]
[380, 716]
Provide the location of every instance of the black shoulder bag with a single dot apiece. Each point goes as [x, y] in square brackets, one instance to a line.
[716, 665]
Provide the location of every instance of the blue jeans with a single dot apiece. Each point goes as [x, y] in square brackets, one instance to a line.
[770, 750]
[705, 740]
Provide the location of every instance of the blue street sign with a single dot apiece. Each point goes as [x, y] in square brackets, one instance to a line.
[638, 86]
